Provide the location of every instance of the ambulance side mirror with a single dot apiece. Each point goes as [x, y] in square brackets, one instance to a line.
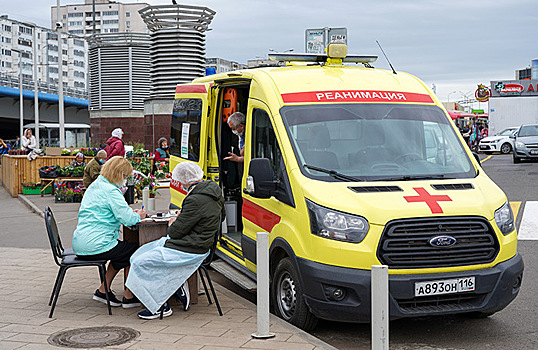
[260, 180]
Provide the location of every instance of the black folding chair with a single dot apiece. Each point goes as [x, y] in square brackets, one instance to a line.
[205, 265]
[66, 261]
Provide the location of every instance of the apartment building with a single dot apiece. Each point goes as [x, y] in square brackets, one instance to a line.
[221, 65]
[110, 17]
[17, 52]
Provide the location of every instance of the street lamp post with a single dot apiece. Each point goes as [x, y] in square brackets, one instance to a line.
[61, 120]
[36, 98]
[450, 93]
[21, 100]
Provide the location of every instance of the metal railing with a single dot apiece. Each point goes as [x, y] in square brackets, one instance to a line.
[10, 80]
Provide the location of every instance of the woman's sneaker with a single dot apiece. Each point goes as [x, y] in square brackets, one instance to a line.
[102, 298]
[148, 315]
[128, 303]
[183, 295]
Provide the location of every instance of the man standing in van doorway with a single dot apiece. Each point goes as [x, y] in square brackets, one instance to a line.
[237, 122]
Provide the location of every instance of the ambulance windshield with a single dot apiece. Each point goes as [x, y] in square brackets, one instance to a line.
[376, 142]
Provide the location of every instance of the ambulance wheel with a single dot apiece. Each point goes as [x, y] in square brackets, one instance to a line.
[288, 297]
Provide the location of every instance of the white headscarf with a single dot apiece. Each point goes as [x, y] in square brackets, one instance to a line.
[117, 133]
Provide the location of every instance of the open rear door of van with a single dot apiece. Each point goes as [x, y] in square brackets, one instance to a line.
[188, 139]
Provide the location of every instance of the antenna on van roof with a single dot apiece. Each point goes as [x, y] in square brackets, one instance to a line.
[393, 71]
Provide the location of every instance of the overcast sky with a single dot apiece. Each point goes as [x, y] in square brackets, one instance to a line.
[454, 44]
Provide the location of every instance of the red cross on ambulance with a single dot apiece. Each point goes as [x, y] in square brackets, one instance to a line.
[430, 200]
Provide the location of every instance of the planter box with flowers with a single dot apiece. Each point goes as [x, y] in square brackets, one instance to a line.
[64, 194]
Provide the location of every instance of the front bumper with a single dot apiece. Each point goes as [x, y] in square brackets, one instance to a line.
[526, 153]
[489, 147]
[496, 287]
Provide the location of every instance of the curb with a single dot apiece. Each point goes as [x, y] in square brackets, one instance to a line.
[30, 205]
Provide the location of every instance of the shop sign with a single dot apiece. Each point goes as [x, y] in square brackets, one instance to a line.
[514, 88]
[482, 93]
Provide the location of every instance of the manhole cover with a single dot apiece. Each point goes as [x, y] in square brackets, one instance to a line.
[93, 337]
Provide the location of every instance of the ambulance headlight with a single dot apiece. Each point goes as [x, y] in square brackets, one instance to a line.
[332, 224]
[505, 219]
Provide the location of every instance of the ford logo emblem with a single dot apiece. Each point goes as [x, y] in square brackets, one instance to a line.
[442, 241]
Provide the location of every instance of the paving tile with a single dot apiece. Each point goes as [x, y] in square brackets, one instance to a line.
[230, 325]
[141, 325]
[210, 340]
[30, 338]
[277, 345]
[23, 328]
[9, 345]
[296, 339]
[67, 314]
[159, 346]
[4, 334]
[186, 330]
[160, 337]
[11, 318]
[225, 318]
[34, 346]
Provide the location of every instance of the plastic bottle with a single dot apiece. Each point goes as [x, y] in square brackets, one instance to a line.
[145, 197]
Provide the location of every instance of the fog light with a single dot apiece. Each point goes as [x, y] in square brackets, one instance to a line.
[517, 282]
[338, 294]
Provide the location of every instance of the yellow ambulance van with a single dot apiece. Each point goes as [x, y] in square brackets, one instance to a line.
[346, 167]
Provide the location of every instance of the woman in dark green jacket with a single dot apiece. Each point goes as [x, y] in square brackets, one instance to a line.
[160, 268]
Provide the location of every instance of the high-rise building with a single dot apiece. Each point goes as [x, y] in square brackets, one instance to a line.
[17, 51]
[110, 17]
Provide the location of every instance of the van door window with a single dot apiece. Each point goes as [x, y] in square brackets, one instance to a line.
[186, 119]
[265, 145]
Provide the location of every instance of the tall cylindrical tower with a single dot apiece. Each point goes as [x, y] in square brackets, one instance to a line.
[177, 48]
[177, 52]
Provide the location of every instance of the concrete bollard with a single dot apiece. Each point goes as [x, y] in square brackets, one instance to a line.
[262, 282]
[380, 307]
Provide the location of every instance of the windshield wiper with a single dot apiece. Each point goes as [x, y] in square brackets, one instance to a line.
[413, 177]
[333, 173]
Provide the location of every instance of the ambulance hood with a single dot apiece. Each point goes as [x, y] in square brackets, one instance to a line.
[381, 202]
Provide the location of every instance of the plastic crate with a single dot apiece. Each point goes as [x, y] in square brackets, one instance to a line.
[36, 190]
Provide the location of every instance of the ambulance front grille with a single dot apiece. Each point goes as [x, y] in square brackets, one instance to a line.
[405, 244]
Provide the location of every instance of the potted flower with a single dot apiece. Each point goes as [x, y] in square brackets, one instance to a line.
[66, 152]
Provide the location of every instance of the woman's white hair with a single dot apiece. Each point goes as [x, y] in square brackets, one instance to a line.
[117, 133]
[187, 173]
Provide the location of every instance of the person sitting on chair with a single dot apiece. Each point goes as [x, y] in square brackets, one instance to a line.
[102, 212]
[28, 141]
[78, 161]
[161, 268]
[93, 169]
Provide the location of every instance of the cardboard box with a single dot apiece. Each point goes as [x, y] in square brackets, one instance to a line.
[53, 151]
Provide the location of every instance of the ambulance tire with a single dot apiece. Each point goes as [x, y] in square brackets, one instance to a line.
[288, 298]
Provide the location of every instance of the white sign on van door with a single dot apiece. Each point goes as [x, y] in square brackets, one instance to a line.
[185, 140]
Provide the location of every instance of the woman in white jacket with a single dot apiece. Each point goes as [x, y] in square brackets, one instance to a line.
[28, 141]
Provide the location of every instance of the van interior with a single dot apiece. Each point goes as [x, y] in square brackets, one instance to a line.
[232, 97]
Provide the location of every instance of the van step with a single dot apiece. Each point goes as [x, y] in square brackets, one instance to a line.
[234, 275]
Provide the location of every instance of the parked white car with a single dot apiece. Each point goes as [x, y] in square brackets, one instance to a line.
[498, 143]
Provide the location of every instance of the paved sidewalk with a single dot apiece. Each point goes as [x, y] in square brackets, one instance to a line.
[27, 276]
